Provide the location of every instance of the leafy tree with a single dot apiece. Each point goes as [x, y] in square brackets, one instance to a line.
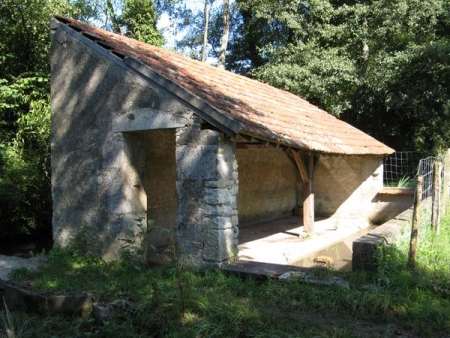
[352, 59]
[25, 196]
[206, 32]
[25, 202]
[134, 18]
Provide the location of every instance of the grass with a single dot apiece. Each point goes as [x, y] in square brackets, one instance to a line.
[219, 305]
[404, 182]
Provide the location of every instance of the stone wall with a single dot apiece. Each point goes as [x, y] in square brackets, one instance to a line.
[390, 202]
[345, 186]
[97, 178]
[269, 185]
[207, 187]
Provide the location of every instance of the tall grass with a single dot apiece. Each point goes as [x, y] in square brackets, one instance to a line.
[11, 327]
[221, 305]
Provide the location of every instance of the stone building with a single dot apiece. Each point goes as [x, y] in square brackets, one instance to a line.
[139, 131]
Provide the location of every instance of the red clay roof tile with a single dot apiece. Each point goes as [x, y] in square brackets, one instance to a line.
[262, 110]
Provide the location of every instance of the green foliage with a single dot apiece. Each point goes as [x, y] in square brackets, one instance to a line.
[24, 157]
[9, 326]
[25, 200]
[137, 247]
[133, 18]
[218, 304]
[380, 65]
[404, 182]
[139, 17]
[25, 196]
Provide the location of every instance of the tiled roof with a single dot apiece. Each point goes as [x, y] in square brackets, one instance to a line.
[257, 109]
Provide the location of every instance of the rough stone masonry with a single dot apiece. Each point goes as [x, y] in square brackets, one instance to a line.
[207, 187]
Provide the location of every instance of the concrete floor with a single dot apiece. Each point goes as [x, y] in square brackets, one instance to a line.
[284, 242]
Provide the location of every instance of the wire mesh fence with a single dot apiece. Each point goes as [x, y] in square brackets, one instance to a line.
[427, 170]
[400, 168]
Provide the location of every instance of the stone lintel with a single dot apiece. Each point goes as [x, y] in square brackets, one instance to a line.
[148, 119]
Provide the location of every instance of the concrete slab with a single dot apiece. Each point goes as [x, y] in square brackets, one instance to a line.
[272, 248]
[259, 269]
[285, 242]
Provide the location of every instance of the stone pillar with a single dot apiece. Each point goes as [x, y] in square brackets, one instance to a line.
[207, 186]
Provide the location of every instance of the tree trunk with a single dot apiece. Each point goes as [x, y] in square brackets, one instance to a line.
[225, 34]
[114, 21]
[205, 32]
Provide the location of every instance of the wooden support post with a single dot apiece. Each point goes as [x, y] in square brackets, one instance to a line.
[307, 174]
[436, 200]
[301, 167]
[415, 224]
[446, 183]
[308, 203]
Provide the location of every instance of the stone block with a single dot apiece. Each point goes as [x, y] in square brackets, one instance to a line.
[185, 136]
[74, 305]
[196, 162]
[219, 223]
[219, 245]
[364, 249]
[225, 161]
[235, 220]
[218, 184]
[219, 196]
[190, 199]
[208, 137]
[218, 210]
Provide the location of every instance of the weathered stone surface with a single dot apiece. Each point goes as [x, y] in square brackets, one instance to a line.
[105, 312]
[365, 247]
[147, 119]
[92, 172]
[190, 201]
[219, 223]
[126, 148]
[219, 184]
[309, 278]
[218, 210]
[219, 196]
[219, 245]
[235, 220]
[225, 159]
[9, 263]
[76, 305]
[196, 162]
[188, 134]
[208, 137]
